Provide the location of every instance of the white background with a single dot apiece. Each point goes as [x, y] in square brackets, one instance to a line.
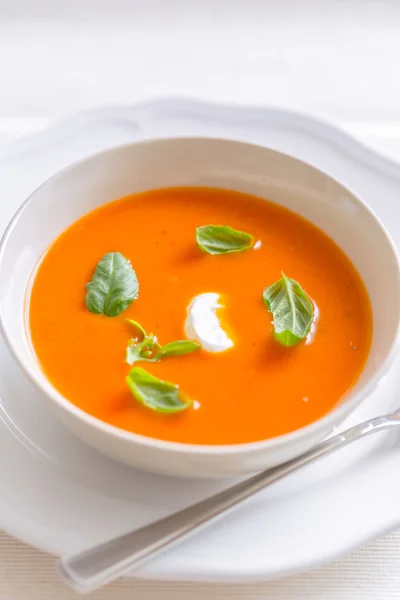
[340, 58]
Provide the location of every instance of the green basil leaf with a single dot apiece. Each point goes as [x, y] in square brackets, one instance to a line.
[221, 239]
[156, 394]
[133, 354]
[137, 326]
[147, 350]
[291, 309]
[113, 287]
[178, 348]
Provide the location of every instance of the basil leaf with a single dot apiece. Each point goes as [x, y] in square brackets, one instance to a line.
[133, 354]
[113, 287]
[137, 326]
[221, 239]
[291, 308]
[178, 348]
[156, 394]
[147, 350]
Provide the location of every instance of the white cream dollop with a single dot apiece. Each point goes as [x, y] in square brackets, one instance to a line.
[202, 324]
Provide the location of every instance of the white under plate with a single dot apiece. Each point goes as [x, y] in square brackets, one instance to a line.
[60, 495]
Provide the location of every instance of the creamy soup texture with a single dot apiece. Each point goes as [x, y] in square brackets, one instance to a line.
[252, 388]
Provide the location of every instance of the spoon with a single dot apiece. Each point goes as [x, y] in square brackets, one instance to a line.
[101, 564]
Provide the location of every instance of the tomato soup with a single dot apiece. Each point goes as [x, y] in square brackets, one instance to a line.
[255, 389]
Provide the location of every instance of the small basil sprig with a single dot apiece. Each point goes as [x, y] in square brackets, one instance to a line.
[156, 394]
[221, 239]
[148, 349]
[137, 326]
[113, 287]
[145, 350]
[291, 309]
[178, 348]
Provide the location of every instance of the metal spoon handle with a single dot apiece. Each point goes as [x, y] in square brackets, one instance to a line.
[95, 567]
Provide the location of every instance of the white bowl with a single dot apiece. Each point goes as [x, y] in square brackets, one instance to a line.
[199, 162]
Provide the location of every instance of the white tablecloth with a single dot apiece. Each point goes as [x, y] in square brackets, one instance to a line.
[340, 58]
[371, 573]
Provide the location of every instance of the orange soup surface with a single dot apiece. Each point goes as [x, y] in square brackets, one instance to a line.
[255, 390]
